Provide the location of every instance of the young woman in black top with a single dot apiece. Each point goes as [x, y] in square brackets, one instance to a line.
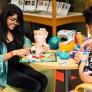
[13, 45]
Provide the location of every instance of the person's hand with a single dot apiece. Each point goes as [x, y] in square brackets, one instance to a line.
[80, 56]
[86, 45]
[21, 52]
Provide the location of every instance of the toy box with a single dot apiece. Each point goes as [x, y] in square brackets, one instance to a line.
[47, 57]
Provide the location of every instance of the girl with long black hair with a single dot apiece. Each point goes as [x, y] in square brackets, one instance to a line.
[13, 45]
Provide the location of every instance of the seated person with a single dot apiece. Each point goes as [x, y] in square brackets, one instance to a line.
[13, 45]
[85, 66]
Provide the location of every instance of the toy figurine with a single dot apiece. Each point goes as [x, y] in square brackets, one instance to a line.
[40, 41]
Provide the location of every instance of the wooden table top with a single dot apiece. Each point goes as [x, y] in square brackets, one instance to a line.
[60, 64]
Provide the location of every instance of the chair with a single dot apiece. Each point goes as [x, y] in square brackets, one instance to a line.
[9, 88]
[84, 87]
[1, 90]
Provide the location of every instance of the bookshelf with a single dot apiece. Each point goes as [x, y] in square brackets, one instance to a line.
[53, 20]
[88, 3]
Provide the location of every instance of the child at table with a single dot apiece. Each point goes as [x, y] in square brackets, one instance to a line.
[85, 59]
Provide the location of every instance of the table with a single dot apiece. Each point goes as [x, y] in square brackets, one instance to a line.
[65, 65]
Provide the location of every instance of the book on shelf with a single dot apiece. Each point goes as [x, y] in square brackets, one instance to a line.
[19, 3]
[63, 8]
[42, 5]
[30, 5]
[25, 5]
[50, 7]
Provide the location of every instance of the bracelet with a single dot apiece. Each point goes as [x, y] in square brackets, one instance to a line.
[82, 61]
[11, 53]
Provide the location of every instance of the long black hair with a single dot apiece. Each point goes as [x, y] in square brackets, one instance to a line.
[87, 13]
[10, 10]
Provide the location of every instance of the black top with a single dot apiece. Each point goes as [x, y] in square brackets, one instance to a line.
[14, 60]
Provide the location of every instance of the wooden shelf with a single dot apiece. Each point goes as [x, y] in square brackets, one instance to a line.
[37, 18]
[53, 19]
[48, 20]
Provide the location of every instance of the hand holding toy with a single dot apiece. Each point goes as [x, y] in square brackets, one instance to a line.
[87, 45]
[81, 55]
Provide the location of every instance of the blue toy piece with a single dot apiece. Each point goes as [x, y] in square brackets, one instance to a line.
[53, 42]
[58, 52]
[72, 55]
[63, 55]
[86, 52]
[77, 47]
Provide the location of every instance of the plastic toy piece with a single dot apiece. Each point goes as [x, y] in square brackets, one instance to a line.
[85, 52]
[63, 55]
[40, 41]
[79, 38]
[76, 48]
[63, 46]
[69, 34]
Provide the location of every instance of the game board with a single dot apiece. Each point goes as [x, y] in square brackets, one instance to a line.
[47, 57]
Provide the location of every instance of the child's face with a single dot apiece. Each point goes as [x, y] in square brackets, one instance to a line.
[12, 22]
[89, 29]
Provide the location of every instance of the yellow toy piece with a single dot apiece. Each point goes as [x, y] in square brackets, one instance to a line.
[63, 46]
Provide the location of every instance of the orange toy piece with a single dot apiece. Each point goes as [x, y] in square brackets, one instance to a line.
[63, 46]
[79, 38]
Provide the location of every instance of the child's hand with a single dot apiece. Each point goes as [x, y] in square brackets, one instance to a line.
[86, 45]
[80, 56]
[82, 46]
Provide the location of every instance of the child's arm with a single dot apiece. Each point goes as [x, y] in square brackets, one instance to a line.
[87, 44]
[84, 77]
[81, 56]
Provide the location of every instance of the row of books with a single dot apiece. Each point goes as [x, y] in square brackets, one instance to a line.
[42, 6]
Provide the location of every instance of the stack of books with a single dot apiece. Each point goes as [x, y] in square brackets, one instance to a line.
[30, 5]
[42, 5]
